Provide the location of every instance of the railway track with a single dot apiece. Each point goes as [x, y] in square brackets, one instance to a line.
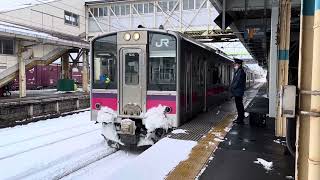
[43, 135]
[47, 144]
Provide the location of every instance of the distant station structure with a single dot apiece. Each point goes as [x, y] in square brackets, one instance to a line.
[192, 17]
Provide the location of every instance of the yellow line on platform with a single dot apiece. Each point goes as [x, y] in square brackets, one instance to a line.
[200, 154]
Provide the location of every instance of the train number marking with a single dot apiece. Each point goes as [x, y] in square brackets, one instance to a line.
[162, 42]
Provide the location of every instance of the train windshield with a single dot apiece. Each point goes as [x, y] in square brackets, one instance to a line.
[162, 65]
[105, 63]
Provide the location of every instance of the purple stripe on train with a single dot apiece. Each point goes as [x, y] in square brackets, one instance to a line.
[104, 95]
[150, 97]
[161, 97]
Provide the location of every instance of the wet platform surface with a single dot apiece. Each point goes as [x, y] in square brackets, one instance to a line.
[234, 158]
[201, 124]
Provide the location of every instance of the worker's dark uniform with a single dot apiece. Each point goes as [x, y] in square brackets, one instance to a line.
[238, 87]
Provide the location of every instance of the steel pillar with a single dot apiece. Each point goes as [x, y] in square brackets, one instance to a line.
[273, 61]
[283, 61]
[65, 66]
[314, 143]
[22, 72]
[305, 66]
[85, 72]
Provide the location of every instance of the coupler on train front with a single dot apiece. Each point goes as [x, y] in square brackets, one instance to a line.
[136, 131]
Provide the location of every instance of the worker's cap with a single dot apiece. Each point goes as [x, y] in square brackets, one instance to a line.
[237, 61]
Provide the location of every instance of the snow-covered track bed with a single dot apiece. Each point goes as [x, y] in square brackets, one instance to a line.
[51, 149]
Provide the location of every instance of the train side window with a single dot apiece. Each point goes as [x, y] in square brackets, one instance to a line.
[105, 63]
[215, 75]
[132, 68]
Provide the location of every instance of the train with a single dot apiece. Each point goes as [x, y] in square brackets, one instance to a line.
[145, 82]
[45, 77]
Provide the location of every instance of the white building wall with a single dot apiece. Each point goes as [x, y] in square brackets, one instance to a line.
[49, 16]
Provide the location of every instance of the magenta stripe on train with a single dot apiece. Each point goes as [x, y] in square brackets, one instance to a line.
[110, 100]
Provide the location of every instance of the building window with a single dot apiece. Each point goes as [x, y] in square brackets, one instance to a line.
[151, 7]
[127, 9]
[146, 8]
[100, 12]
[163, 5]
[95, 12]
[137, 7]
[112, 11]
[117, 10]
[71, 18]
[172, 4]
[188, 4]
[199, 2]
[123, 10]
[7, 46]
[140, 8]
[105, 11]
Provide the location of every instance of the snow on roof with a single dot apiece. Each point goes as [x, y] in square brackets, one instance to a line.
[10, 28]
[21, 30]
[19, 4]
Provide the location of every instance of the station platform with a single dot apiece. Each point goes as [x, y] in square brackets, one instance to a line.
[210, 146]
[229, 151]
[39, 105]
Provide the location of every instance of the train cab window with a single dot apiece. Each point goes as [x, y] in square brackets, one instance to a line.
[105, 63]
[162, 65]
[132, 68]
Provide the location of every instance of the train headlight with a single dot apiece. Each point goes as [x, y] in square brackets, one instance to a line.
[136, 36]
[127, 37]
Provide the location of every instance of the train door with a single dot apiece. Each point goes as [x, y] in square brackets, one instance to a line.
[132, 87]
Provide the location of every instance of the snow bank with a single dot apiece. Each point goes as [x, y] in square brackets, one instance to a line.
[51, 148]
[106, 115]
[218, 140]
[179, 131]
[267, 165]
[103, 168]
[289, 177]
[155, 118]
[157, 161]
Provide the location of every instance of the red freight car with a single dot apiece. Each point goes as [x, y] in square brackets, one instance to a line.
[44, 77]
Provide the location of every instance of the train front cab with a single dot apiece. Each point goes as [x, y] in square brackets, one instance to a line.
[133, 72]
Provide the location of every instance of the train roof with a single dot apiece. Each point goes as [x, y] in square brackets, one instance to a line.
[178, 34]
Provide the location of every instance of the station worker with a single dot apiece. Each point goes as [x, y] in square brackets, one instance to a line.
[237, 88]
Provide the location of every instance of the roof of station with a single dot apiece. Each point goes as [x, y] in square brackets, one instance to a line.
[20, 4]
[251, 20]
[103, 1]
[26, 33]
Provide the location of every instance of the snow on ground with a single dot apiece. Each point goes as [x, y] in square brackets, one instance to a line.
[218, 140]
[289, 177]
[51, 149]
[179, 131]
[156, 162]
[266, 165]
[104, 168]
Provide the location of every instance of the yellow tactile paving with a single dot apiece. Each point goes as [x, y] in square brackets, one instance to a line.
[201, 153]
